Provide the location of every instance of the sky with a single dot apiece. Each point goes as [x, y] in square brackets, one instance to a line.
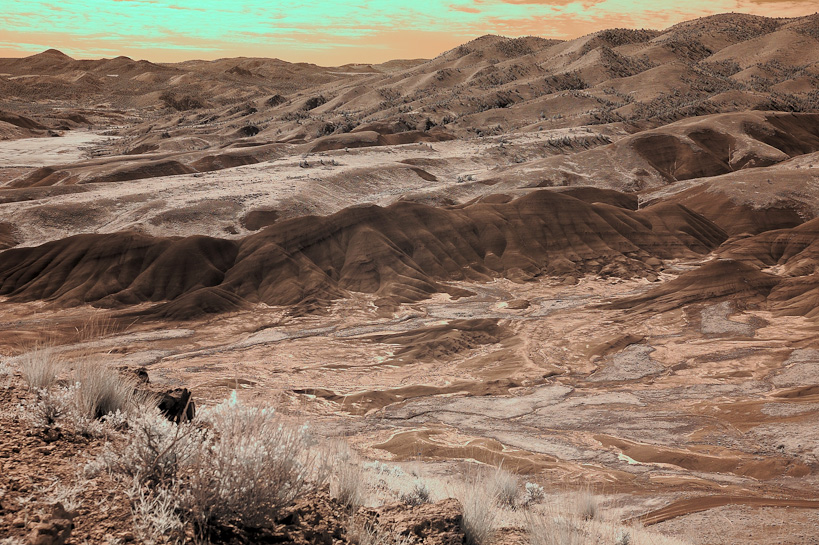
[329, 32]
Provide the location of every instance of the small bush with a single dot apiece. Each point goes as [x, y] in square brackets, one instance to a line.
[67, 495]
[249, 467]
[534, 494]
[50, 407]
[417, 495]
[39, 368]
[232, 465]
[157, 450]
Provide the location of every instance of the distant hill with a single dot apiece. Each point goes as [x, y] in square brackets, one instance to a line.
[722, 63]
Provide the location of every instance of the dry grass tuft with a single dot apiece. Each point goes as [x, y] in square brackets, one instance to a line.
[551, 529]
[587, 506]
[39, 367]
[480, 514]
[578, 519]
[102, 390]
[349, 482]
[504, 486]
[373, 534]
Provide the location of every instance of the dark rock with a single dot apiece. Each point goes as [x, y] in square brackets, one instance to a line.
[177, 405]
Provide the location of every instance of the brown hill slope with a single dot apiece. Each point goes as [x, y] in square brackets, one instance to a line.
[715, 64]
[793, 254]
[697, 147]
[608, 76]
[778, 267]
[713, 281]
[398, 253]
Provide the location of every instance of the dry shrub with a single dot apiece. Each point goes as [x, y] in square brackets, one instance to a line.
[417, 495]
[155, 517]
[50, 407]
[253, 464]
[67, 494]
[39, 367]
[232, 465]
[156, 451]
[534, 494]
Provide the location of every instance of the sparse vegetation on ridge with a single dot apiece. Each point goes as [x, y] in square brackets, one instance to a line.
[238, 466]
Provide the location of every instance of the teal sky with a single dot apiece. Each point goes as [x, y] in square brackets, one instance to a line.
[328, 32]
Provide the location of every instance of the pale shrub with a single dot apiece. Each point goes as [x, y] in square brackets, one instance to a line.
[231, 465]
[251, 465]
[65, 493]
[533, 494]
[49, 407]
[155, 517]
[157, 450]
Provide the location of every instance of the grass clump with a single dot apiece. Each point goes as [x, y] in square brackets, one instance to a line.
[349, 479]
[96, 398]
[578, 519]
[39, 367]
[480, 515]
[374, 534]
[504, 486]
[101, 390]
[587, 506]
